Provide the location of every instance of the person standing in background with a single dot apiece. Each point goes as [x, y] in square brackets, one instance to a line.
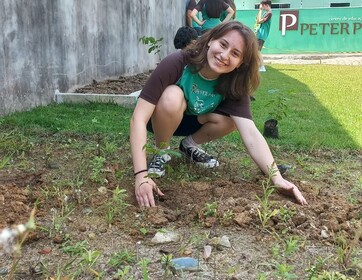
[211, 12]
[263, 18]
[231, 3]
[189, 21]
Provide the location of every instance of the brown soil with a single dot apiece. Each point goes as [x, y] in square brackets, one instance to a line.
[122, 85]
[72, 204]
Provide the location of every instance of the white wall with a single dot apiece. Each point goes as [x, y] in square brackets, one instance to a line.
[58, 44]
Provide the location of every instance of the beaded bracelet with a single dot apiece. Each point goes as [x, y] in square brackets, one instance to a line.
[139, 172]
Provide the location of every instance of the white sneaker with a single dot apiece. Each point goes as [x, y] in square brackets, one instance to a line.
[262, 68]
[199, 156]
[156, 166]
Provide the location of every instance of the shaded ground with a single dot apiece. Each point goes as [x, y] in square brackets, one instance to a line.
[72, 179]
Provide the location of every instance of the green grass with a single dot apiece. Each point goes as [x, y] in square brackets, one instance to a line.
[323, 107]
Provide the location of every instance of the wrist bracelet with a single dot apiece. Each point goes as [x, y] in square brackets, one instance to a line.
[139, 172]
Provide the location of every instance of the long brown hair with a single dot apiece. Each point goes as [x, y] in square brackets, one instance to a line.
[240, 81]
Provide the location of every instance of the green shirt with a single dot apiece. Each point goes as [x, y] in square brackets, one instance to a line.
[199, 92]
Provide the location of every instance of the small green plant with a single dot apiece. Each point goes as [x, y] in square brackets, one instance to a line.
[97, 164]
[144, 230]
[286, 214]
[144, 262]
[154, 45]
[277, 108]
[122, 258]
[266, 212]
[227, 217]
[117, 205]
[4, 161]
[346, 249]
[77, 249]
[210, 209]
[167, 264]
[123, 274]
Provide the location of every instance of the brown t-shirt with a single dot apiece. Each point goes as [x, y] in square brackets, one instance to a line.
[170, 70]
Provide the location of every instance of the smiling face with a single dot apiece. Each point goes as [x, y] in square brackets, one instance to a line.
[224, 55]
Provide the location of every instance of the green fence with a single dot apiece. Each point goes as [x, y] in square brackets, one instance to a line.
[325, 30]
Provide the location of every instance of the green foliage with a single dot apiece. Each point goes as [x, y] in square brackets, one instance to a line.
[97, 164]
[210, 209]
[117, 205]
[153, 43]
[77, 249]
[124, 257]
[277, 108]
[265, 212]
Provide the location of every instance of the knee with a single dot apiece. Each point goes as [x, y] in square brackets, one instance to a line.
[172, 100]
[227, 123]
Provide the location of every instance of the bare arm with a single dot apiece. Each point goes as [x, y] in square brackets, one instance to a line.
[138, 137]
[262, 156]
[229, 15]
[194, 17]
[259, 19]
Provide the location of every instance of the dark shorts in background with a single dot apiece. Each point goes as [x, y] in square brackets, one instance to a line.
[188, 125]
[260, 44]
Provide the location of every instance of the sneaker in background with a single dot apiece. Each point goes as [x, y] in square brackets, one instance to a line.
[157, 165]
[262, 68]
[198, 156]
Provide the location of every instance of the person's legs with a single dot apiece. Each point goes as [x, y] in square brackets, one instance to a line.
[168, 115]
[166, 118]
[214, 126]
[260, 47]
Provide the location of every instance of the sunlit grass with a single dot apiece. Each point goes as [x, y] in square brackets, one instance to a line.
[324, 104]
[324, 109]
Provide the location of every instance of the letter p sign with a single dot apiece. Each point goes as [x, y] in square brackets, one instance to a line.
[288, 21]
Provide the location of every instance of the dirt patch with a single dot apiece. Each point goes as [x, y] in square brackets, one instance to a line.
[123, 85]
[74, 180]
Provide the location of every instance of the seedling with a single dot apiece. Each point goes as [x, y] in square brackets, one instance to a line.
[122, 258]
[266, 212]
[117, 205]
[153, 43]
[210, 209]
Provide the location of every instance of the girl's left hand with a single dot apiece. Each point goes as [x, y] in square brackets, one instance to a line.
[288, 188]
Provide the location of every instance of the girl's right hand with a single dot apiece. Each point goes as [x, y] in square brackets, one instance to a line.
[144, 188]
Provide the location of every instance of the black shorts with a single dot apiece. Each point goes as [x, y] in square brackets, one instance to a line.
[188, 125]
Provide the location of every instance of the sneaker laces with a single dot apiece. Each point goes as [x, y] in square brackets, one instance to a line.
[200, 154]
[157, 162]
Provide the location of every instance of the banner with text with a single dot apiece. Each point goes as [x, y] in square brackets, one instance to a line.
[324, 30]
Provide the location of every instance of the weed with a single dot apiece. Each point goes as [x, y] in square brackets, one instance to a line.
[116, 205]
[144, 262]
[123, 274]
[286, 214]
[266, 212]
[227, 217]
[346, 249]
[4, 161]
[78, 249]
[122, 258]
[167, 264]
[97, 164]
[210, 209]
[144, 230]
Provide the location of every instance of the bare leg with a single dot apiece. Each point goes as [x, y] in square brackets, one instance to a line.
[168, 115]
[214, 126]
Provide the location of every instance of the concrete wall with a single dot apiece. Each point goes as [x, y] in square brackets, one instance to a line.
[58, 44]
